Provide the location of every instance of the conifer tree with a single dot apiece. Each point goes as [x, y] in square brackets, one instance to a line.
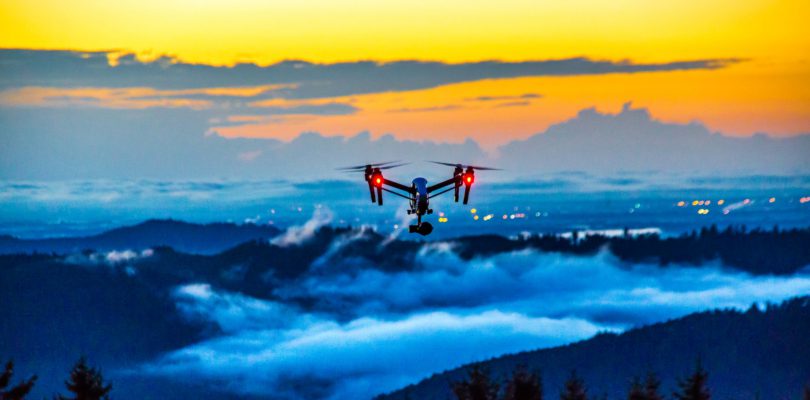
[694, 387]
[15, 392]
[574, 389]
[651, 385]
[524, 385]
[86, 383]
[636, 390]
[478, 386]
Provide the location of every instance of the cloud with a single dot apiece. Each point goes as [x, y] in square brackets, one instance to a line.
[632, 141]
[319, 358]
[525, 96]
[298, 234]
[51, 68]
[427, 109]
[520, 281]
[171, 144]
[513, 104]
[349, 330]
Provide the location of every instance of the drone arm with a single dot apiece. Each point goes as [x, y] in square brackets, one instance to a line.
[396, 194]
[442, 184]
[442, 192]
[396, 185]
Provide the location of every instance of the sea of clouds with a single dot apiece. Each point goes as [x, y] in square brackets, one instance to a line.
[348, 330]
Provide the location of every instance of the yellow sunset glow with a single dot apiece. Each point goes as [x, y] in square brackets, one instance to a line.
[766, 92]
[454, 30]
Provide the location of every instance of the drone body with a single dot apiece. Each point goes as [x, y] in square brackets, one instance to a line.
[419, 192]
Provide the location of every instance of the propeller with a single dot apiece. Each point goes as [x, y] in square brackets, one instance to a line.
[466, 166]
[384, 165]
[381, 166]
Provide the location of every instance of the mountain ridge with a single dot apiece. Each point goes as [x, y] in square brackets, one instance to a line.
[767, 358]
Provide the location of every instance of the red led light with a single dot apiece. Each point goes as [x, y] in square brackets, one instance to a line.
[469, 179]
[379, 181]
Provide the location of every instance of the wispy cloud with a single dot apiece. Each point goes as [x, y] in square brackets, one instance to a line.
[427, 109]
[299, 79]
[298, 234]
[526, 96]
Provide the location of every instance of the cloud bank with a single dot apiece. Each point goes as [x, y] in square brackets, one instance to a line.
[350, 331]
[170, 144]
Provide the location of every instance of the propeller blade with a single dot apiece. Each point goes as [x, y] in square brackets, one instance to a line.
[374, 165]
[484, 168]
[447, 164]
[394, 166]
[467, 166]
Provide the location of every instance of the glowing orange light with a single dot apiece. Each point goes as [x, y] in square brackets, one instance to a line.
[681, 203]
[379, 181]
[772, 200]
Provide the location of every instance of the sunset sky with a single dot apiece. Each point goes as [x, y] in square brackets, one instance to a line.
[754, 76]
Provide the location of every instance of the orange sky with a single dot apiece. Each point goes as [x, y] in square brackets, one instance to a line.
[767, 93]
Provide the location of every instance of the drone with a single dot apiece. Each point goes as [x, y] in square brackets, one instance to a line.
[419, 192]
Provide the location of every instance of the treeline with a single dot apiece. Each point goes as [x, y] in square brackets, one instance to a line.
[526, 385]
[84, 383]
[759, 251]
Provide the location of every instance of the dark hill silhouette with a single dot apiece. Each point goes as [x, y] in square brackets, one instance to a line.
[752, 354]
[182, 236]
[775, 251]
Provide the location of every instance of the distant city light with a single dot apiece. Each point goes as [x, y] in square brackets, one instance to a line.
[442, 219]
[746, 201]
[703, 211]
[475, 218]
[694, 203]
[721, 202]
[772, 200]
[473, 211]
[441, 214]
[488, 217]
[505, 216]
[681, 203]
[708, 202]
[537, 214]
[804, 200]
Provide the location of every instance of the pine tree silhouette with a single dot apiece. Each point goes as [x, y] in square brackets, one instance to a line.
[15, 392]
[477, 387]
[574, 389]
[694, 387]
[636, 390]
[651, 385]
[524, 386]
[86, 383]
